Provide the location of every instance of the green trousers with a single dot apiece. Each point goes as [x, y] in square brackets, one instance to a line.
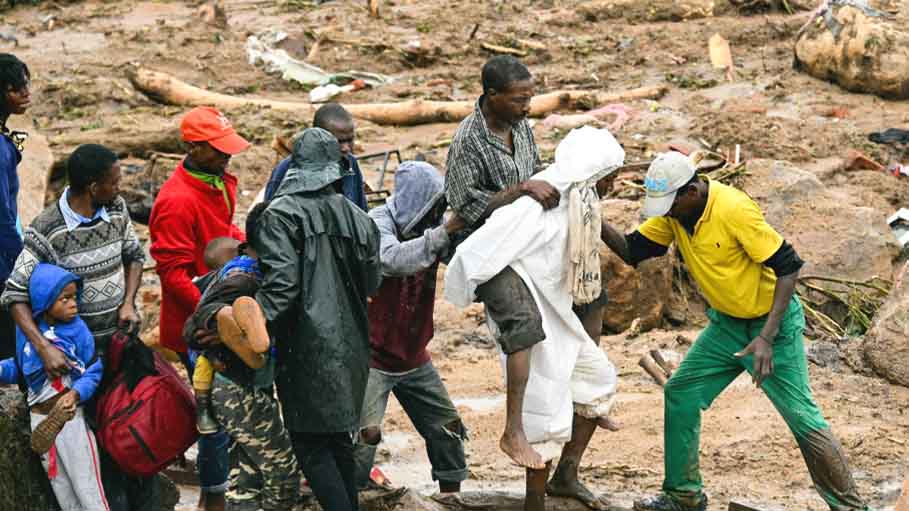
[711, 366]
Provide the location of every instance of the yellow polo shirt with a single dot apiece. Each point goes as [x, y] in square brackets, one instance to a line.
[726, 254]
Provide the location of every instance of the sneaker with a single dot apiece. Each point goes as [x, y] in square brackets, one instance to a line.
[45, 433]
[663, 502]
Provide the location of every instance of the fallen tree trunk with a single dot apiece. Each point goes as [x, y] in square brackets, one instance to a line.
[168, 89]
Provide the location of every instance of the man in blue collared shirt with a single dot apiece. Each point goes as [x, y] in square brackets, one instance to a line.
[333, 118]
[72, 218]
[14, 100]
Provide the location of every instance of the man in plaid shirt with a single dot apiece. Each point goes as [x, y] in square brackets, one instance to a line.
[491, 160]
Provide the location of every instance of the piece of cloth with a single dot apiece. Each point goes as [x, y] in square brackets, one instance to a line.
[97, 252]
[260, 448]
[72, 338]
[320, 255]
[73, 466]
[216, 182]
[351, 185]
[567, 366]
[239, 277]
[327, 461]
[480, 164]
[890, 136]
[425, 401]
[74, 219]
[710, 366]
[513, 314]
[725, 255]
[584, 226]
[186, 216]
[785, 261]
[10, 238]
[203, 375]
[400, 315]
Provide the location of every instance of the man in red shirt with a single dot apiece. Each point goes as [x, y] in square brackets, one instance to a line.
[195, 206]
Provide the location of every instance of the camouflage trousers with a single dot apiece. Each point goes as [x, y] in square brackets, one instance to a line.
[263, 469]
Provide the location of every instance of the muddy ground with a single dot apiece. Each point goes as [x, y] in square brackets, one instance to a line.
[80, 54]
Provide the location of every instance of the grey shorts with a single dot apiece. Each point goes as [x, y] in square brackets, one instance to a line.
[510, 305]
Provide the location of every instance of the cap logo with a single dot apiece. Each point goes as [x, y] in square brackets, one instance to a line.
[658, 185]
[224, 122]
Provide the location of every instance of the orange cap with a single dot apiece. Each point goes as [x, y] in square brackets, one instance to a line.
[206, 124]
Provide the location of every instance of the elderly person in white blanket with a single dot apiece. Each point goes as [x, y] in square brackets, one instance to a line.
[572, 383]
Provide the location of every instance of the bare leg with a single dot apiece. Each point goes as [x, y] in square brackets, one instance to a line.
[449, 487]
[215, 502]
[535, 496]
[514, 442]
[565, 482]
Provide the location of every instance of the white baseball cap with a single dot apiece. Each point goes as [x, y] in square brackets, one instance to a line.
[667, 173]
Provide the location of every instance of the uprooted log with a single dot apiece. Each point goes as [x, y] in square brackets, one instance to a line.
[168, 89]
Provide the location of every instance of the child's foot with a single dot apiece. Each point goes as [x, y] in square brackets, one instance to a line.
[45, 433]
[249, 317]
[234, 337]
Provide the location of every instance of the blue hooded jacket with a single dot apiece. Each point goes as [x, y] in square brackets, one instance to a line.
[73, 338]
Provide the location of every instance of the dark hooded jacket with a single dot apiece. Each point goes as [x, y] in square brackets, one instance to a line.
[320, 256]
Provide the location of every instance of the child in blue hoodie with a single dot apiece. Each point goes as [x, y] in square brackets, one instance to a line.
[60, 434]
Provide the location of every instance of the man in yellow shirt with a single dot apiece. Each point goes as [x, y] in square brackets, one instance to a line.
[747, 273]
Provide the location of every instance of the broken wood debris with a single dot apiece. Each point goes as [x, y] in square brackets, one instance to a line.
[503, 50]
[167, 89]
[650, 367]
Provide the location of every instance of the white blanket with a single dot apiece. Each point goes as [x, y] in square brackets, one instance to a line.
[569, 372]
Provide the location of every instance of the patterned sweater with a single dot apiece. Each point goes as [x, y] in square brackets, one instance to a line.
[98, 252]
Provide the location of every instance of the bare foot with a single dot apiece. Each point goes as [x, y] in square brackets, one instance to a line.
[572, 488]
[517, 448]
[609, 423]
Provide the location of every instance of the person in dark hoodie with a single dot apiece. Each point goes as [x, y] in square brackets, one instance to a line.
[320, 256]
[60, 434]
[412, 239]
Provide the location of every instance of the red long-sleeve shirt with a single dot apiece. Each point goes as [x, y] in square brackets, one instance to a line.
[186, 216]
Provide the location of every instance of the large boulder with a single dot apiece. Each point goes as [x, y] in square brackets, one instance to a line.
[23, 483]
[886, 344]
[831, 229]
[33, 170]
[641, 292]
[857, 47]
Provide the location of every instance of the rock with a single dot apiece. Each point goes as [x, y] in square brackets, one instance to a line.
[633, 293]
[823, 354]
[23, 482]
[859, 49]
[833, 231]
[886, 344]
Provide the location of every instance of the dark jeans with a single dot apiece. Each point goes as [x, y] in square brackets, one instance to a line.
[327, 461]
[425, 400]
[213, 460]
[7, 334]
[127, 493]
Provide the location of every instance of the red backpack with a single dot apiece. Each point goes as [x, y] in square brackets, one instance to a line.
[146, 428]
